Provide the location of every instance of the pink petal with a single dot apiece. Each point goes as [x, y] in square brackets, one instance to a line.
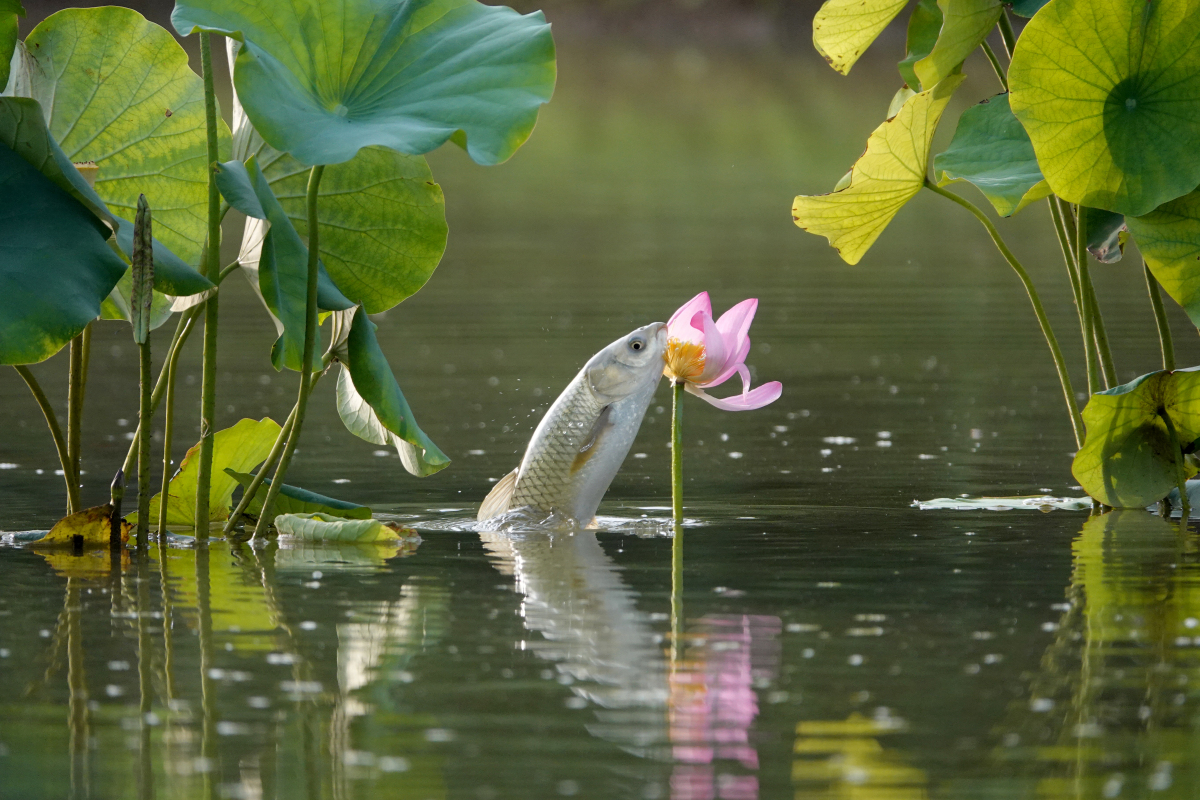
[683, 317]
[735, 364]
[756, 398]
[715, 352]
[734, 324]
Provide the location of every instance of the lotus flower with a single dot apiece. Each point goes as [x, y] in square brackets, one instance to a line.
[702, 353]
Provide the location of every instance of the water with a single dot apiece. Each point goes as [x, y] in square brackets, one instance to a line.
[829, 640]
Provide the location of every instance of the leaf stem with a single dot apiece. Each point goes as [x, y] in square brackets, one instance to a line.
[1108, 372]
[995, 62]
[267, 466]
[76, 389]
[310, 338]
[60, 443]
[1160, 318]
[212, 257]
[1007, 32]
[1063, 216]
[1180, 475]
[169, 425]
[182, 331]
[1064, 378]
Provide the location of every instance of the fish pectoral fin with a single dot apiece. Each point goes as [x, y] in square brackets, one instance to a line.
[496, 503]
[603, 424]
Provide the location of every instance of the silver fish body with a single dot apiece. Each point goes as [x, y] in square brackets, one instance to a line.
[580, 444]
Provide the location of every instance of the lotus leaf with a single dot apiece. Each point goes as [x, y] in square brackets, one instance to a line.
[923, 26]
[886, 177]
[1128, 459]
[55, 263]
[1105, 232]
[844, 29]
[117, 90]
[991, 150]
[93, 526]
[1169, 239]
[372, 407]
[239, 448]
[324, 528]
[1109, 91]
[294, 500]
[965, 23]
[322, 79]
[1027, 8]
[9, 10]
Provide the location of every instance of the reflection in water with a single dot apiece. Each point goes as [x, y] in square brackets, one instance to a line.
[1112, 711]
[694, 706]
[844, 760]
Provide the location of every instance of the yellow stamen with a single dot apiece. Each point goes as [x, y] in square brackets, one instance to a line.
[684, 360]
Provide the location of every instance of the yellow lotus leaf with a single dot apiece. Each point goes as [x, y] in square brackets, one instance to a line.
[888, 175]
[844, 29]
[87, 528]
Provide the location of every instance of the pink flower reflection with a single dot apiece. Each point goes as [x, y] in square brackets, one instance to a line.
[713, 705]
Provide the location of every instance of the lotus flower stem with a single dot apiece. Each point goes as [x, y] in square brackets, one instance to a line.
[677, 454]
[995, 62]
[212, 258]
[1160, 318]
[60, 443]
[76, 388]
[1060, 365]
[306, 374]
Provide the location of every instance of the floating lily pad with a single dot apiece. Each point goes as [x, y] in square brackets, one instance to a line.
[965, 23]
[117, 90]
[991, 150]
[1040, 502]
[294, 500]
[322, 80]
[324, 528]
[239, 448]
[886, 177]
[1169, 239]
[1128, 459]
[923, 26]
[844, 29]
[1109, 91]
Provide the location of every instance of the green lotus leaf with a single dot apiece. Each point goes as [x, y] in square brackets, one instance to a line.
[9, 11]
[1027, 8]
[294, 500]
[325, 528]
[1128, 459]
[372, 407]
[278, 260]
[55, 263]
[1109, 91]
[322, 79]
[117, 90]
[119, 303]
[844, 29]
[383, 219]
[965, 23]
[887, 176]
[991, 150]
[240, 448]
[923, 26]
[1104, 232]
[1169, 239]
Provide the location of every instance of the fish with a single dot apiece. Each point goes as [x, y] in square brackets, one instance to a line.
[580, 444]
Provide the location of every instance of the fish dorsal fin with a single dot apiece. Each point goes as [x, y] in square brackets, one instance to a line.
[496, 503]
[603, 423]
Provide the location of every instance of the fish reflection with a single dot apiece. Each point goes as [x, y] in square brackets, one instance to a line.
[1111, 712]
[696, 711]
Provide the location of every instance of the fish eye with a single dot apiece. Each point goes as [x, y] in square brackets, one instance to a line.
[637, 344]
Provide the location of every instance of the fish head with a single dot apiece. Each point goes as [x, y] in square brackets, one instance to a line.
[629, 364]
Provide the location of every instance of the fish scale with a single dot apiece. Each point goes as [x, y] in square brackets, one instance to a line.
[548, 477]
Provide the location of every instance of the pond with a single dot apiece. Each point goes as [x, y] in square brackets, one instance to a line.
[831, 641]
